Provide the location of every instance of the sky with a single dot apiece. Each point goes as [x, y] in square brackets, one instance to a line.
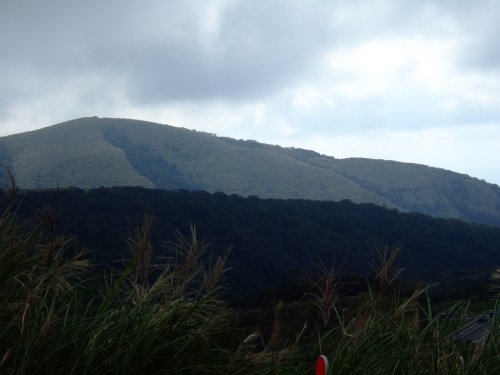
[405, 80]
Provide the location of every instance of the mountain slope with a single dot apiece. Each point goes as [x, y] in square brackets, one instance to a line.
[92, 152]
[70, 154]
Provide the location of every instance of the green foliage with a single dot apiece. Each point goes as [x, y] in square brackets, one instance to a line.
[392, 335]
[388, 333]
[52, 320]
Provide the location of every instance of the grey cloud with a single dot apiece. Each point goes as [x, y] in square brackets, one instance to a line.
[474, 23]
[172, 51]
[161, 50]
[255, 49]
[413, 111]
[481, 30]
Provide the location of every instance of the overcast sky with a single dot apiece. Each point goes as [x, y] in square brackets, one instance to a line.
[406, 80]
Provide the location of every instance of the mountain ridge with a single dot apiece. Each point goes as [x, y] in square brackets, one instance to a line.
[91, 152]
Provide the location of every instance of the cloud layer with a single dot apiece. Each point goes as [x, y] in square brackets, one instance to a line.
[404, 80]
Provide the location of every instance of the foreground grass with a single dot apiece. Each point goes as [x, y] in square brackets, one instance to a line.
[389, 334]
[161, 316]
[54, 320]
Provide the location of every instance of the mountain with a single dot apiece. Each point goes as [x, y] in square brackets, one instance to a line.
[273, 240]
[92, 152]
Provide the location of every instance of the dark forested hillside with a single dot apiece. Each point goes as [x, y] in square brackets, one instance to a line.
[273, 240]
[94, 152]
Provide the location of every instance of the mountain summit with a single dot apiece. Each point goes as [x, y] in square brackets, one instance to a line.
[92, 152]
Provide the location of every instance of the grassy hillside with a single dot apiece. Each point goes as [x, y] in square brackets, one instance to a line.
[93, 152]
[70, 154]
[223, 164]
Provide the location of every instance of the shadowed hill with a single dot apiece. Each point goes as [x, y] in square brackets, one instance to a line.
[274, 240]
[93, 152]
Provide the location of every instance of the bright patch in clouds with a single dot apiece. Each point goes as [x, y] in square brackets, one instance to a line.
[385, 67]
[415, 81]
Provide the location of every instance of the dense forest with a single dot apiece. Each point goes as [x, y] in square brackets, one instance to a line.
[272, 241]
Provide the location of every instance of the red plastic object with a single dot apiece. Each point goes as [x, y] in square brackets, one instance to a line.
[321, 365]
